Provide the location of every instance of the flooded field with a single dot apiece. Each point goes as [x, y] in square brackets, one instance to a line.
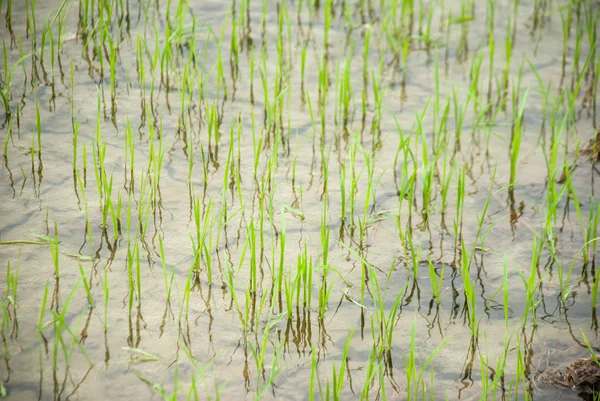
[318, 199]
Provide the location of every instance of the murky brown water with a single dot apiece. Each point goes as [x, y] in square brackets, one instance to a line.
[200, 345]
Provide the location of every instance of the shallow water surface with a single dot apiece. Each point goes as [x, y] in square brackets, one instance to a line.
[297, 200]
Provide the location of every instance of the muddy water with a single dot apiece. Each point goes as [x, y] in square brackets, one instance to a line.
[164, 328]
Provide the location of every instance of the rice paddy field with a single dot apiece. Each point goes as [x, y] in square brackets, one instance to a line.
[297, 200]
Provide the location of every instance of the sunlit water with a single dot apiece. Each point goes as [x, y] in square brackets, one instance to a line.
[159, 338]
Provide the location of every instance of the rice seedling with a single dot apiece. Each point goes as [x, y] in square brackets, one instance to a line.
[259, 356]
[338, 375]
[253, 284]
[437, 280]
[532, 284]
[595, 288]
[8, 138]
[414, 374]
[469, 290]
[59, 326]
[10, 304]
[515, 143]
[460, 199]
[42, 312]
[168, 282]
[459, 116]
[508, 46]
[86, 286]
[113, 74]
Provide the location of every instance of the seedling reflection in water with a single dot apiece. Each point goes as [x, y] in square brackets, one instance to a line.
[332, 84]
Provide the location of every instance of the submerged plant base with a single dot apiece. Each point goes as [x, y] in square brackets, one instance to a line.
[583, 376]
[593, 147]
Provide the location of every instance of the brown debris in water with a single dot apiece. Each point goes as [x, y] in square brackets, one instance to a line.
[593, 147]
[583, 375]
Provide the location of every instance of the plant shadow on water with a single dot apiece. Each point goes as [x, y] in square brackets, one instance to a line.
[316, 199]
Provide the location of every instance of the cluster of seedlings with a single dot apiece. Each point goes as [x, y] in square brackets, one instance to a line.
[331, 181]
